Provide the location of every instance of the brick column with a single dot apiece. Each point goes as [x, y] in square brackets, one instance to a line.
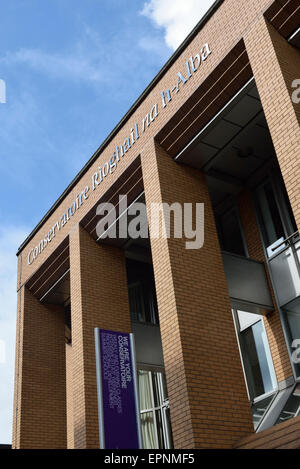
[69, 397]
[275, 65]
[208, 399]
[99, 298]
[39, 419]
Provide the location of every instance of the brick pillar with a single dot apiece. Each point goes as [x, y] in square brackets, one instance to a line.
[99, 298]
[39, 419]
[69, 397]
[275, 65]
[208, 400]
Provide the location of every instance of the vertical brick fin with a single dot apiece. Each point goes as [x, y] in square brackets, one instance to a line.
[40, 406]
[18, 367]
[275, 65]
[69, 395]
[273, 325]
[208, 399]
[99, 298]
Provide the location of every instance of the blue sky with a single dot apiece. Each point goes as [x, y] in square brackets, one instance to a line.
[72, 69]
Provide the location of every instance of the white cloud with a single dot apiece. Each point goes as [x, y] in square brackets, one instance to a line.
[60, 65]
[77, 66]
[177, 17]
[82, 62]
[10, 239]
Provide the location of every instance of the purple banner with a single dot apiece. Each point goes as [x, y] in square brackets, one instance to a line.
[118, 393]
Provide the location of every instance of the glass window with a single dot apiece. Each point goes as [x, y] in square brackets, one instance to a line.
[230, 233]
[293, 331]
[141, 291]
[259, 409]
[154, 408]
[142, 303]
[136, 302]
[256, 355]
[257, 358]
[272, 227]
[292, 407]
[294, 324]
[275, 214]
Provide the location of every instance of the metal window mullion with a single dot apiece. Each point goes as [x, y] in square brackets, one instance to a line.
[267, 343]
[164, 415]
[276, 185]
[237, 332]
[153, 404]
[298, 412]
[162, 412]
[295, 254]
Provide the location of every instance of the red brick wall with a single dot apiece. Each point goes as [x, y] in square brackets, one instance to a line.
[69, 397]
[40, 390]
[275, 65]
[208, 399]
[99, 298]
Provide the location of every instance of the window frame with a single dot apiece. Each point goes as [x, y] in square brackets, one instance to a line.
[162, 407]
[289, 341]
[252, 400]
[285, 218]
[274, 178]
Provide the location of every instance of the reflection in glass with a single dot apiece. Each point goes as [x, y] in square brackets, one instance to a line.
[292, 407]
[259, 409]
[257, 359]
[271, 220]
[293, 321]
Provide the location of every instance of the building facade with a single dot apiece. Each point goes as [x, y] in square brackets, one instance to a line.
[217, 328]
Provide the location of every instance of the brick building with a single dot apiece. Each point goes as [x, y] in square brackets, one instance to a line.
[215, 328]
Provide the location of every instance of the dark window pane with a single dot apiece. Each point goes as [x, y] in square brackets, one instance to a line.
[231, 239]
[257, 360]
[141, 289]
[159, 426]
[252, 367]
[290, 211]
[169, 430]
[155, 380]
[136, 302]
[271, 220]
[164, 387]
